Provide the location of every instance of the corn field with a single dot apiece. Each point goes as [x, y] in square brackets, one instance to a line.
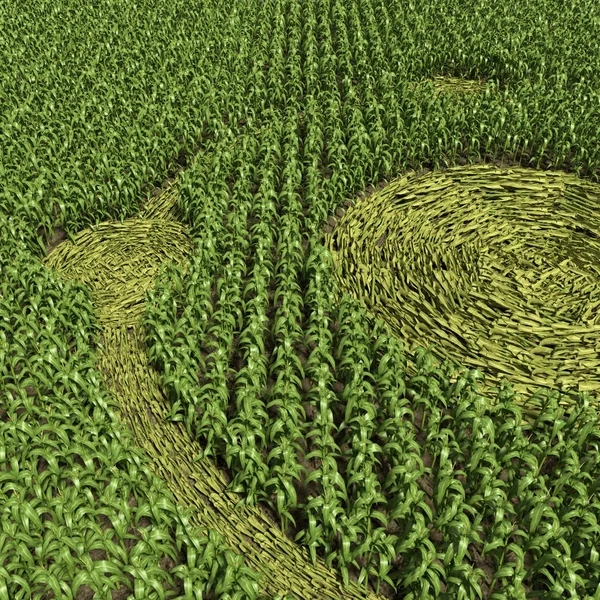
[299, 300]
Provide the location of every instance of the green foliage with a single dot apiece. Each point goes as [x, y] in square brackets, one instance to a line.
[390, 467]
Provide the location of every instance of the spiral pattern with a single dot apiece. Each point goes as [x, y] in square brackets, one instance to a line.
[119, 261]
[497, 268]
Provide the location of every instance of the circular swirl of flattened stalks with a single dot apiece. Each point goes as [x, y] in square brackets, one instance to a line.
[498, 269]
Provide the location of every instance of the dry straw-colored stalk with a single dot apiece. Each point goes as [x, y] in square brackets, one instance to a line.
[497, 268]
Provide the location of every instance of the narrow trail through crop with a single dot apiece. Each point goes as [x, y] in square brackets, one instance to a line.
[119, 262]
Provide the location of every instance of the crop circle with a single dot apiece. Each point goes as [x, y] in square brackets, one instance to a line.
[497, 269]
[453, 85]
[120, 261]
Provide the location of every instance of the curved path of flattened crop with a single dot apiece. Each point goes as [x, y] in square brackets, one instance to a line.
[119, 262]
